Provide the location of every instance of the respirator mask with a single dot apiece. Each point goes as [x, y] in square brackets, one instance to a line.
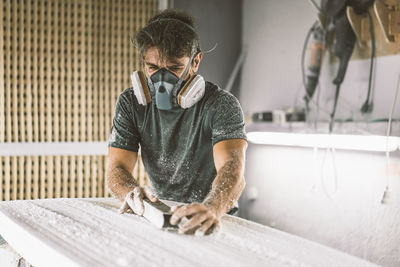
[167, 89]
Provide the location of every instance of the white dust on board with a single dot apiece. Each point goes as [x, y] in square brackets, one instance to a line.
[93, 233]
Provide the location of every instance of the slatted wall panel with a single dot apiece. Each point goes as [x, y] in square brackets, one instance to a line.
[34, 177]
[63, 64]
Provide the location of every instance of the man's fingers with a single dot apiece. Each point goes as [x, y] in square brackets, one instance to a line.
[124, 208]
[185, 211]
[216, 227]
[150, 194]
[136, 201]
[174, 208]
[204, 227]
[194, 222]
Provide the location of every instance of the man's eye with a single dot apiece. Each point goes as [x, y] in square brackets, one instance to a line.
[153, 67]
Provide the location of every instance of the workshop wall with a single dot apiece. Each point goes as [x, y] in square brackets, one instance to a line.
[273, 32]
[329, 197]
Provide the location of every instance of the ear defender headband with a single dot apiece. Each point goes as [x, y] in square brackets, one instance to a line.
[147, 91]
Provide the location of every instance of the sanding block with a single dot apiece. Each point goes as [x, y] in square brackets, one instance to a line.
[158, 213]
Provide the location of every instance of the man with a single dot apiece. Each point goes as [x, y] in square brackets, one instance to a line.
[190, 132]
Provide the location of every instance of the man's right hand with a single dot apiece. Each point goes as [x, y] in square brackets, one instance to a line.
[134, 200]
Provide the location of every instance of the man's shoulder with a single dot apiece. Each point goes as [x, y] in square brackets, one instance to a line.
[127, 99]
[215, 95]
[128, 95]
[212, 90]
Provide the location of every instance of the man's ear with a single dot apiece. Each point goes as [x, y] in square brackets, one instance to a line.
[196, 61]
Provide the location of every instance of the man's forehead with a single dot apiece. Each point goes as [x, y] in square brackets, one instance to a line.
[152, 56]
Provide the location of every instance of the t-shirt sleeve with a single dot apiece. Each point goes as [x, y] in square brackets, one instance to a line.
[227, 121]
[124, 133]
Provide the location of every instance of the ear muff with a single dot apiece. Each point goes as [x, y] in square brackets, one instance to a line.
[140, 88]
[192, 91]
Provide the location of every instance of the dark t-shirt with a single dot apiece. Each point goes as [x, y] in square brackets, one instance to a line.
[177, 145]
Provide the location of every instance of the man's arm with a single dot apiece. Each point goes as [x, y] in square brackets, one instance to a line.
[120, 167]
[121, 182]
[229, 160]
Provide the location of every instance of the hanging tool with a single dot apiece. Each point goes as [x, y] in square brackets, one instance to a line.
[344, 41]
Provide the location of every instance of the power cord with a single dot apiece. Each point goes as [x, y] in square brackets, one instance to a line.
[332, 153]
[332, 118]
[387, 193]
[318, 172]
[367, 107]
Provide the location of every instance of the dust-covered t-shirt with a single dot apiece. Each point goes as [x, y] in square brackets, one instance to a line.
[177, 145]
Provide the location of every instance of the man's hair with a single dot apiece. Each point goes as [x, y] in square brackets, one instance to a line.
[172, 33]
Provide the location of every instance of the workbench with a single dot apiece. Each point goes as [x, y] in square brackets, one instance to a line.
[91, 232]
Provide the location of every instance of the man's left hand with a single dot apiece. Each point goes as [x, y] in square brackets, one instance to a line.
[204, 219]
